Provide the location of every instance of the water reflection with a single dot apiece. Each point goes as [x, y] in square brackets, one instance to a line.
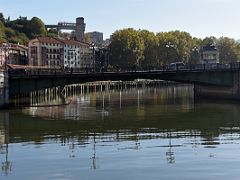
[4, 141]
[122, 125]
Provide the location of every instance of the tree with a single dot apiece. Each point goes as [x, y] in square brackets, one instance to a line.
[174, 46]
[52, 33]
[2, 18]
[10, 33]
[36, 27]
[150, 48]
[209, 40]
[2, 31]
[87, 38]
[127, 48]
[228, 50]
[195, 51]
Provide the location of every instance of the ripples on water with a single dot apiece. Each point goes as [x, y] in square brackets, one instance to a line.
[146, 133]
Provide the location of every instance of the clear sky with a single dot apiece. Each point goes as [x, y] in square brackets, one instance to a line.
[200, 18]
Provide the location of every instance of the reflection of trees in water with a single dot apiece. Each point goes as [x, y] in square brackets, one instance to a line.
[155, 118]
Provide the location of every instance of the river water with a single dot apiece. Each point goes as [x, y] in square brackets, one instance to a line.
[138, 133]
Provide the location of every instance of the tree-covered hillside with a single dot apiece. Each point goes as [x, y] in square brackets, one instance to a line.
[21, 29]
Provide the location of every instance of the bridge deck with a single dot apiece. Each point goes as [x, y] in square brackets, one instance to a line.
[25, 80]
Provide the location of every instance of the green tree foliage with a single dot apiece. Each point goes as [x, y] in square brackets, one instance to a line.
[21, 29]
[15, 37]
[87, 38]
[175, 46]
[131, 47]
[2, 31]
[228, 50]
[195, 51]
[127, 48]
[20, 25]
[36, 27]
[209, 40]
[2, 18]
[52, 33]
[150, 48]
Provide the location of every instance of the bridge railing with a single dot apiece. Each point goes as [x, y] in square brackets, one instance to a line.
[164, 68]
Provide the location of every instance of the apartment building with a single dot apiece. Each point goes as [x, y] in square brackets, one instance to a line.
[87, 56]
[56, 52]
[46, 51]
[13, 54]
[71, 53]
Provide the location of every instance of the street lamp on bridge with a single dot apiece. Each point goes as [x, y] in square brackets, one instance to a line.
[93, 55]
[169, 46]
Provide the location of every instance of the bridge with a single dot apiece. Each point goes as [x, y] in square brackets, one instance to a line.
[63, 25]
[78, 27]
[221, 80]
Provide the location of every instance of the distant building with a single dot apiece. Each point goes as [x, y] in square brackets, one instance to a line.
[13, 54]
[87, 54]
[106, 42]
[80, 29]
[71, 53]
[96, 38]
[46, 51]
[56, 52]
[209, 54]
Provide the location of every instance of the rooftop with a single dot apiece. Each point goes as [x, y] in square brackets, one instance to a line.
[49, 40]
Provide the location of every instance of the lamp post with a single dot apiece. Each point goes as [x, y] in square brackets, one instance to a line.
[194, 54]
[93, 55]
[168, 46]
[136, 63]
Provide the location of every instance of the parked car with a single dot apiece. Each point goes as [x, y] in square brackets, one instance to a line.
[176, 66]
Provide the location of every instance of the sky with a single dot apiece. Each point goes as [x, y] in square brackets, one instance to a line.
[201, 18]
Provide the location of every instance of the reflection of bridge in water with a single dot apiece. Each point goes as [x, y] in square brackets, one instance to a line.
[119, 125]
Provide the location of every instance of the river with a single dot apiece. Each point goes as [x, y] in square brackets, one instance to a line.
[135, 133]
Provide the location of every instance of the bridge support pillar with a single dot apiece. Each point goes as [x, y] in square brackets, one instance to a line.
[221, 92]
[4, 89]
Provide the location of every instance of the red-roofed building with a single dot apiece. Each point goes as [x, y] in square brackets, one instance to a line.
[13, 54]
[53, 52]
[46, 51]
